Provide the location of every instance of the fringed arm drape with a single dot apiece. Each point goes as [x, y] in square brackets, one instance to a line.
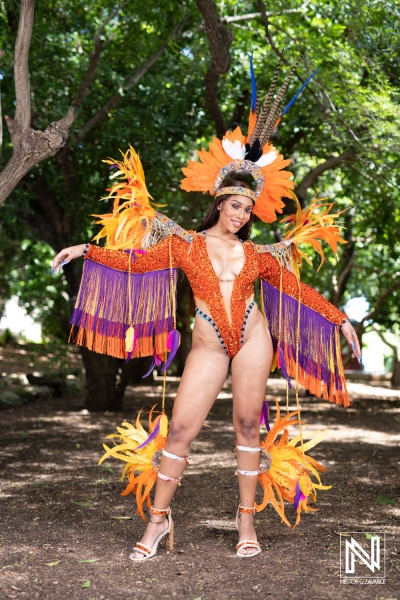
[304, 327]
[120, 289]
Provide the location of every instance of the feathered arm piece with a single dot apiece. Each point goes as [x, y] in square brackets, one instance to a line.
[132, 211]
[309, 226]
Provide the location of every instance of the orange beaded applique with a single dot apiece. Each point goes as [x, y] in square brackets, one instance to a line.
[194, 260]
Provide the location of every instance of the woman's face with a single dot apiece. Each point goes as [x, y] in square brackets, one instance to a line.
[235, 212]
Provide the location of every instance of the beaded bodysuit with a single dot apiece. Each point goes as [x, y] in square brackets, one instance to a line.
[194, 260]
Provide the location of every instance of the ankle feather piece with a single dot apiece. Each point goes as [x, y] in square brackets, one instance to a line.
[248, 449]
[175, 457]
[247, 473]
[166, 478]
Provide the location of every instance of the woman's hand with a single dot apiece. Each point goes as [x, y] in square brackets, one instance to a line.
[352, 339]
[66, 255]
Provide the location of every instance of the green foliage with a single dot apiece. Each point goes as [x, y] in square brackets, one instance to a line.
[352, 107]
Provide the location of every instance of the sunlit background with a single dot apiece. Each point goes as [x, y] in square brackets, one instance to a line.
[375, 351]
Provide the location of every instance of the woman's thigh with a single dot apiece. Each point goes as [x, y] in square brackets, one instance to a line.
[250, 372]
[202, 380]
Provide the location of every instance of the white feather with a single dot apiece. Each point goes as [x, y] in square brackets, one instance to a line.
[267, 159]
[235, 150]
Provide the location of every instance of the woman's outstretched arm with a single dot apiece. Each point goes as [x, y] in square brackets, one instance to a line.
[68, 254]
[152, 259]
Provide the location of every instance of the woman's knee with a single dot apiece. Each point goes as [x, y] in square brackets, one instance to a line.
[247, 427]
[179, 433]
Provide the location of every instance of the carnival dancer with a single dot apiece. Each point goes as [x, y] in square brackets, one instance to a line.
[126, 308]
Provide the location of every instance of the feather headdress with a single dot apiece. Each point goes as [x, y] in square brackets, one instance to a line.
[253, 153]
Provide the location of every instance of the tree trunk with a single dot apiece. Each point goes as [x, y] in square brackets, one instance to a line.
[395, 381]
[107, 378]
[101, 382]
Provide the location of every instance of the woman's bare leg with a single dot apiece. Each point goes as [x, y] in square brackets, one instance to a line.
[250, 371]
[203, 377]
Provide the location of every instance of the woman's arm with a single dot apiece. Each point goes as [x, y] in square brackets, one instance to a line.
[270, 270]
[68, 254]
[152, 259]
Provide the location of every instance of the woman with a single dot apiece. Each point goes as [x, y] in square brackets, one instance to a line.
[221, 265]
[221, 236]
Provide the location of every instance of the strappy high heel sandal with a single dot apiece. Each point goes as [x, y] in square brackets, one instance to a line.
[168, 535]
[251, 544]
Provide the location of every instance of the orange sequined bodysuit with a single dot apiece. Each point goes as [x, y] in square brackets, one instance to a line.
[193, 258]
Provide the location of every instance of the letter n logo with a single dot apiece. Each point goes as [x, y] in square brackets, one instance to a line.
[372, 560]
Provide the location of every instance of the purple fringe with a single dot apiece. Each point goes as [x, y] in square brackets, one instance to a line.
[317, 335]
[107, 290]
[264, 415]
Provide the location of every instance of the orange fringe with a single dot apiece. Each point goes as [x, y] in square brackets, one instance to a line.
[317, 387]
[116, 346]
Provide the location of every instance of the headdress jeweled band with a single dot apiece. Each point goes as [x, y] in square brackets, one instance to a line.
[237, 191]
[241, 165]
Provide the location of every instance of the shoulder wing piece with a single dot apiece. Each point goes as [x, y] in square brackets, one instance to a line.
[282, 251]
[175, 228]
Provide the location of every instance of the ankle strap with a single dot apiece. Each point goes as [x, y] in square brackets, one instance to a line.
[166, 478]
[248, 449]
[245, 510]
[175, 457]
[159, 512]
[247, 473]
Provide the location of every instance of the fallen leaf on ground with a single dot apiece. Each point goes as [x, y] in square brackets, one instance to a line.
[52, 564]
[86, 584]
[90, 560]
[122, 518]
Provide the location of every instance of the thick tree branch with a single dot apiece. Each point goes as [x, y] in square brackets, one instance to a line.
[391, 346]
[264, 18]
[130, 82]
[21, 68]
[95, 56]
[375, 311]
[219, 39]
[252, 16]
[29, 146]
[312, 176]
[347, 263]
[395, 379]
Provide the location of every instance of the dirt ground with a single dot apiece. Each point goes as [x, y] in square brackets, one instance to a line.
[66, 533]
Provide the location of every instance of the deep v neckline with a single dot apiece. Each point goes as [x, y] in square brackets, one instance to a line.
[204, 236]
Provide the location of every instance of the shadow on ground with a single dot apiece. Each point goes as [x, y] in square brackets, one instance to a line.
[65, 526]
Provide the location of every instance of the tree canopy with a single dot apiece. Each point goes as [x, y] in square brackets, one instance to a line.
[165, 77]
